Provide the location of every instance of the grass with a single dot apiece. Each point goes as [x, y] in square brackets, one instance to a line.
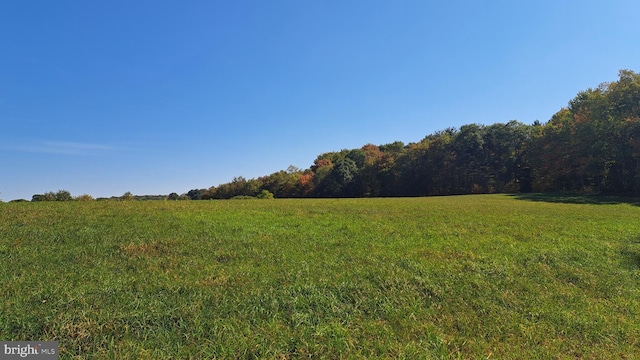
[483, 276]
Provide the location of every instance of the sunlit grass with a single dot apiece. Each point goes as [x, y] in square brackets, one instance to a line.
[442, 277]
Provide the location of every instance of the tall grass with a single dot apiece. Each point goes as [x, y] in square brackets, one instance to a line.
[485, 276]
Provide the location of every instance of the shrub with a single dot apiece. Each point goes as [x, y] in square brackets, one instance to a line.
[265, 194]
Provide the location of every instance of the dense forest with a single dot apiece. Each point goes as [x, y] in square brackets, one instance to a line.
[590, 146]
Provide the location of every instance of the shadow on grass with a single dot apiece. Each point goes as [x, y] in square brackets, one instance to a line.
[578, 199]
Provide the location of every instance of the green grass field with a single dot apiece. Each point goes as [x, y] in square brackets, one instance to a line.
[482, 276]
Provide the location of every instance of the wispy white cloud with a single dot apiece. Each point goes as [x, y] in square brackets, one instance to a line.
[77, 146]
[62, 147]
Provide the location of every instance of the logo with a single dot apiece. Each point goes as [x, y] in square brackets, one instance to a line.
[39, 350]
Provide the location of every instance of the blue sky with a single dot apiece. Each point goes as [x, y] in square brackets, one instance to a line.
[155, 97]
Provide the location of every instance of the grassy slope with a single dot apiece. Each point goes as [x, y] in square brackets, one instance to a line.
[466, 276]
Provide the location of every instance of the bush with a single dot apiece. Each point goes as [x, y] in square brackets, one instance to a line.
[63, 195]
[265, 194]
[128, 196]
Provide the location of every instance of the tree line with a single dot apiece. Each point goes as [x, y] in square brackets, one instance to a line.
[65, 195]
[590, 146]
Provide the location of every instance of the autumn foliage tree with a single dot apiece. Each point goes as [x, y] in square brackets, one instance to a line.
[590, 146]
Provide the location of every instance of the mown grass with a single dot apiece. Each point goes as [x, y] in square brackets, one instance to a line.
[483, 276]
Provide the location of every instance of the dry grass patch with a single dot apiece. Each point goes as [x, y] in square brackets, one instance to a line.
[155, 248]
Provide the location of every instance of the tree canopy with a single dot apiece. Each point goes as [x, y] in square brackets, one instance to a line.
[590, 146]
